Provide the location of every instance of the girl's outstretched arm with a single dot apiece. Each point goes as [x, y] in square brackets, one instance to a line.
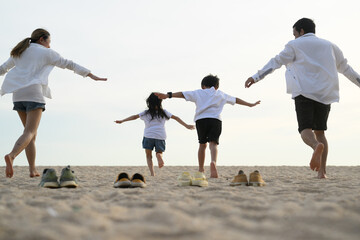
[169, 95]
[242, 102]
[133, 117]
[96, 78]
[182, 122]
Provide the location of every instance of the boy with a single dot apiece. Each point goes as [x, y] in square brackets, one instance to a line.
[209, 105]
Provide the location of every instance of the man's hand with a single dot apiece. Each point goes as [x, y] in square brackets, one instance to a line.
[249, 82]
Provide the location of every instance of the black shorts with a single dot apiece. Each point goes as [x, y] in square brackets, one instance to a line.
[311, 114]
[208, 130]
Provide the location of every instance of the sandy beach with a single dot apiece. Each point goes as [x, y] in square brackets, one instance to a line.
[293, 205]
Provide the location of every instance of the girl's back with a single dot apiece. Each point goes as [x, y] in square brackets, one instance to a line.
[154, 126]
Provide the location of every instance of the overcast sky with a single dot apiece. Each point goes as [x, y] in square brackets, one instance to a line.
[164, 45]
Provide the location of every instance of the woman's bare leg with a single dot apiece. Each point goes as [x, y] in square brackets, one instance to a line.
[30, 150]
[31, 123]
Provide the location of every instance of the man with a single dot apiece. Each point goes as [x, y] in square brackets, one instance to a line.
[312, 79]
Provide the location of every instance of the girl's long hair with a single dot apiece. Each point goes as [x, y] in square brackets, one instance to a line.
[155, 108]
[24, 44]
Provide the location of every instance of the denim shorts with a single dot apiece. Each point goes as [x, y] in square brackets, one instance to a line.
[150, 143]
[28, 106]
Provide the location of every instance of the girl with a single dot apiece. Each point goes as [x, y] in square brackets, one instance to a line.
[31, 62]
[154, 133]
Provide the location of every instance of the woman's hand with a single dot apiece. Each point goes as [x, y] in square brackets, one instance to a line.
[96, 78]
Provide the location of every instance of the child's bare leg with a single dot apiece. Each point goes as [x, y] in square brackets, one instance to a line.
[214, 152]
[201, 156]
[160, 159]
[32, 120]
[308, 137]
[149, 161]
[320, 136]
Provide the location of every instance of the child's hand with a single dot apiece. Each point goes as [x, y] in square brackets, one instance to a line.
[191, 127]
[118, 121]
[254, 104]
[161, 95]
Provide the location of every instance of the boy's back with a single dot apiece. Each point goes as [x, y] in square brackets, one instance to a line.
[209, 102]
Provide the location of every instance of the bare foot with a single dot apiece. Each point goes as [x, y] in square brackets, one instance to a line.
[160, 159]
[34, 173]
[321, 175]
[316, 157]
[9, 166]
[160, 163]
[213, 171]
[201, 169]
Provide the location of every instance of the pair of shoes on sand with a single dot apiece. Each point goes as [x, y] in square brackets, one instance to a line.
[123, 181]
[186, 179]
[255, 179]
[50, 180]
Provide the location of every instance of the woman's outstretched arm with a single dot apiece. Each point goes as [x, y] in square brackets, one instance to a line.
[96, 78]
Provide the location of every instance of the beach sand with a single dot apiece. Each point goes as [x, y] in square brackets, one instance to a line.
[293, 205]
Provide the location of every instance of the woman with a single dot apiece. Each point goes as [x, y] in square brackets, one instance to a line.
[31, 62]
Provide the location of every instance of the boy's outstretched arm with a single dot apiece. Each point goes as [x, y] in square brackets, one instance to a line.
[169, 95]
[182, 122]
[242, 102]
[133, 117]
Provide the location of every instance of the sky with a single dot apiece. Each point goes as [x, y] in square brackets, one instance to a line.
[143, 46]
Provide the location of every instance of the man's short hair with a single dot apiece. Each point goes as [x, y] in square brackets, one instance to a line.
[306, 24]
[210, 81]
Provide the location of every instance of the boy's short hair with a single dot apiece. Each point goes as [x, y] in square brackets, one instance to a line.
[210, 81]
[305, 23]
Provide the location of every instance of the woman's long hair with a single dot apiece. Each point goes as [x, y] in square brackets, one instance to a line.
[24, 44]
[155, 108]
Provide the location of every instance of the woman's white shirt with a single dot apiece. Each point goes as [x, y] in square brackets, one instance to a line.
[32, 93]
[33, 68]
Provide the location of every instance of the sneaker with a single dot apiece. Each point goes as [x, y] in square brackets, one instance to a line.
[122, 181]
[240, 179]
[184, 179]
[138, 180]
[67, 178]
[49, 179]
[255, 179]
[199, 180]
